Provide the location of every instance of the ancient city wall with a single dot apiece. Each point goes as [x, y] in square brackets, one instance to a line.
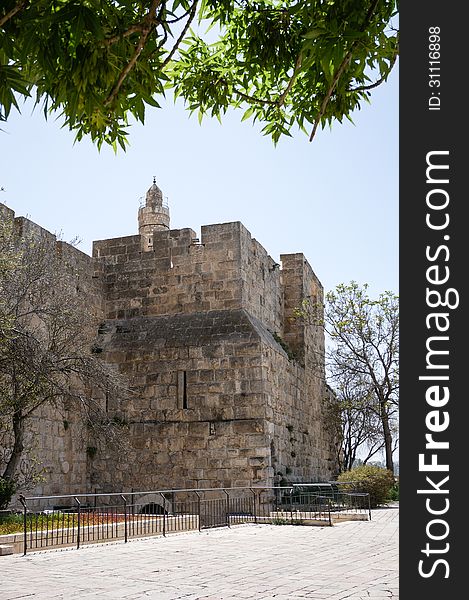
[55, 435]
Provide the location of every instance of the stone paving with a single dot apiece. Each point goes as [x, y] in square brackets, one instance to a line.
[354, 560]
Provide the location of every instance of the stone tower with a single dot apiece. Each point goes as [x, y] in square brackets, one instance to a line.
[153, 216]
[227, 390]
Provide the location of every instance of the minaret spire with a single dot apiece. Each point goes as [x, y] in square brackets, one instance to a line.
[154, 216]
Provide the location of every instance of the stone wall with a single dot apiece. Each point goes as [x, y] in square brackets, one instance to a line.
[197, 418]
[225, 269]
[217, 402]
[180, 275]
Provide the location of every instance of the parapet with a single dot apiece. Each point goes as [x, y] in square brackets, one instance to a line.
[225, 269]
[25, 228]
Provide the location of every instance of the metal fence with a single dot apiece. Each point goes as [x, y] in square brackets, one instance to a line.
[53, 521]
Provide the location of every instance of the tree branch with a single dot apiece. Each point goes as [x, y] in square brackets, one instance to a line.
[146, 30]
[296, 70]
[254, 100]
[13, 11]
[340, 71]
[177, 19]
[137, 28]
[181, 36]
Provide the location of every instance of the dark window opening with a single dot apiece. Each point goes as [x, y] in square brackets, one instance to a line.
[184, 393]
[182, 400]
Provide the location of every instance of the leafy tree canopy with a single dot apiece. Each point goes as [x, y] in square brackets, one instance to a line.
[284, 63]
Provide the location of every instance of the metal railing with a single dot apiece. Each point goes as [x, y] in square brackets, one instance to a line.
[345, 497]
[53, 521]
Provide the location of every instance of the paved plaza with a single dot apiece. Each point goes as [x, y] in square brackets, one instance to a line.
[352, 560]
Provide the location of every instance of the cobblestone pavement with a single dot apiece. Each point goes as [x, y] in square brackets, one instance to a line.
[353, 560]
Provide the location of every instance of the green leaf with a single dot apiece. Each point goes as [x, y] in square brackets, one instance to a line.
[314, 33]
[248, 113]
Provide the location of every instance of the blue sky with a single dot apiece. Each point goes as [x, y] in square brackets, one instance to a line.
[335, 199]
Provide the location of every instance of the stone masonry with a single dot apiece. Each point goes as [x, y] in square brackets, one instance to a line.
[228, 388]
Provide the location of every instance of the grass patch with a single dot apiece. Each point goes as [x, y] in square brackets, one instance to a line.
[58, 520]
[11, 524]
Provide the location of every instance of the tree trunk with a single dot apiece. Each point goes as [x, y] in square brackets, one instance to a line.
[18, 447]
[387, 436]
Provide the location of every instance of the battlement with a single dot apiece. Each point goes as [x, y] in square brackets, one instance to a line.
[226, 269]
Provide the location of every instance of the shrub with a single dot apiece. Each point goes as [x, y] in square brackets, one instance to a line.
[370, 479]
[7, 489]
[394, 493]
[280, 521]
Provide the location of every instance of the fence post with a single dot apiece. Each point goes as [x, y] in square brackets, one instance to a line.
[125, 517]
[25, 523]
[79, 522]
[291, 505]
[254, 505]
[369, 506]
[227, 507]
[164, 514]
[198, 508]
[329, 510]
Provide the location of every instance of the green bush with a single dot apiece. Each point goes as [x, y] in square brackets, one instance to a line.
[7, 489]
[280, 521]
[394, 493]
[370, 479]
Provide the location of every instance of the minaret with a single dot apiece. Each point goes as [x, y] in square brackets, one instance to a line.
[154, 216]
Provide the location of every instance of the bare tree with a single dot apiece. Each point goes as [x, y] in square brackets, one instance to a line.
[363, 366]
[46, 352]
[359, 426]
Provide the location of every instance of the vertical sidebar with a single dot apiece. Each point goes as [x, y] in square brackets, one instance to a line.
[433, 300]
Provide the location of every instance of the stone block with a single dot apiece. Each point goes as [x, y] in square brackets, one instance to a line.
[248, 426]
[198, 429]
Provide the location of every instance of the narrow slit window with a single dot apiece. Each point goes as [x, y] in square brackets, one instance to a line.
[182, 389]
[184, 394]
